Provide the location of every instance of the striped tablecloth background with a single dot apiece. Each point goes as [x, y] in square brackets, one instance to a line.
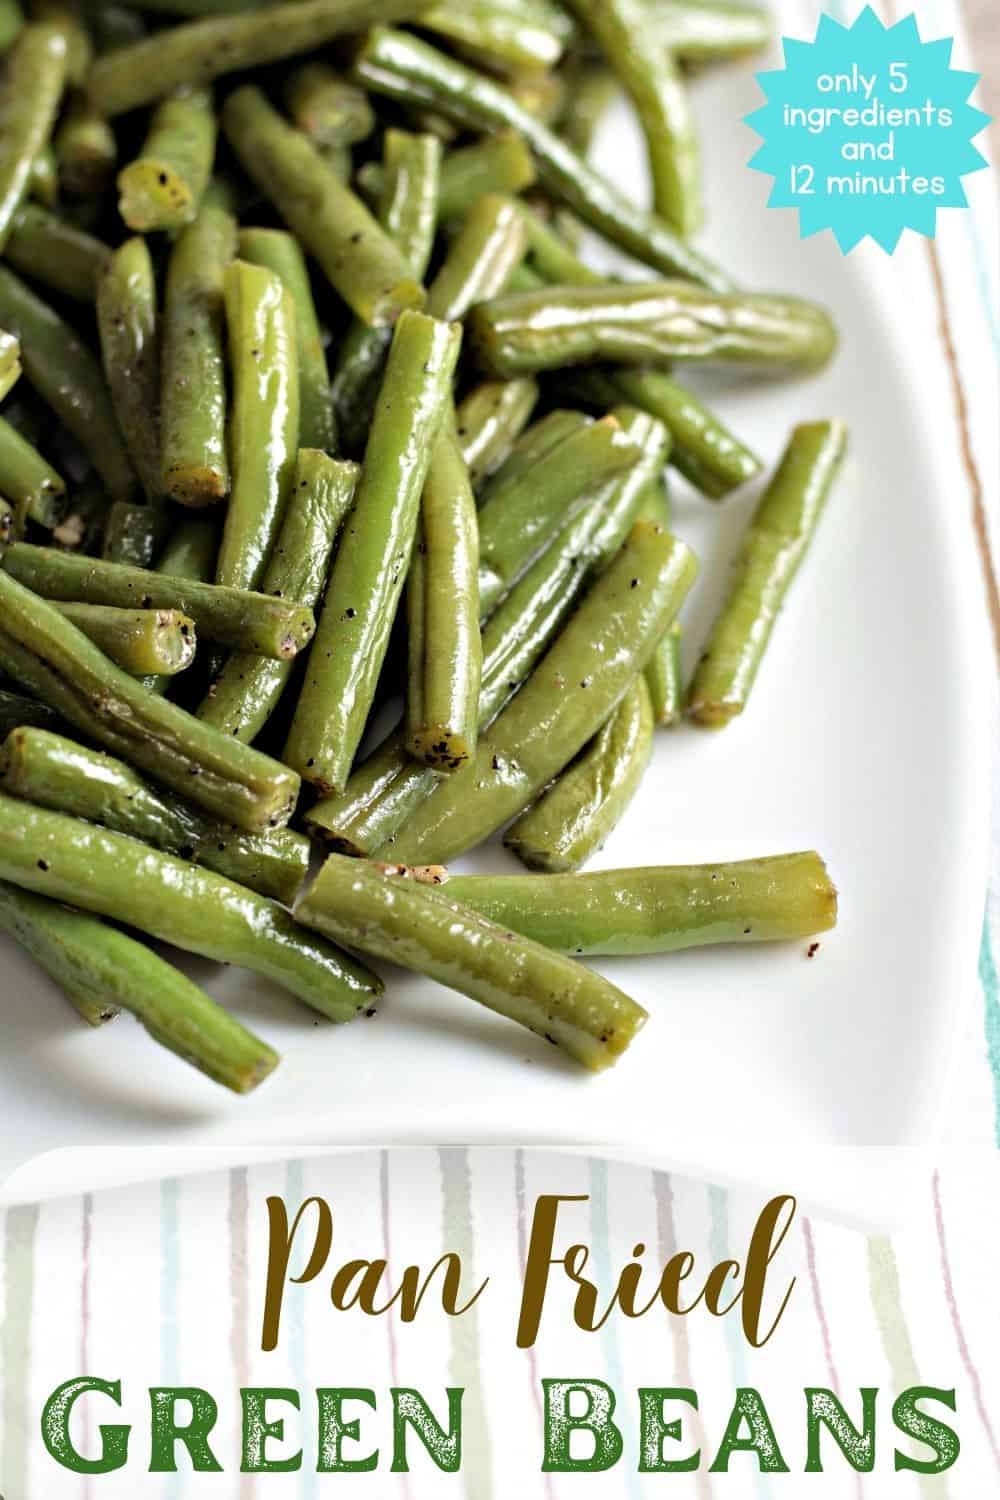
[162, 1284]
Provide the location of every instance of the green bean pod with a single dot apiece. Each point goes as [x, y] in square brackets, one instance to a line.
[540, 439]
[29, 481]
[11, 23]
[54, 772]
[524, 332]
[71, 19]
[195, 465]
[419, 928]
[85, 149]
[280, 253]
[82, 526]
[773, 548]
[10, 362]
[8, 526]
[177, 902]
[481, 259]
[552, 258]
[490, 420]
[16, 710]
[53, 251]
[68, 378]
[35, 75]
[660, 908]
[571, 692]
[164, 186]
[330, 109]
[103, 971]
[244, 695]
[708, 31]
[397, 64]
[442, 598]
[45, 654]
[575, 815]
[514, 34]
[370, 567]
[189, 553]
[500, 163]
[43, 181]
[130, 352]
[593, 88]
[264, 419]
[133, 534]
[230, 617]
[359, 259]
[663, 670]
[140, 641]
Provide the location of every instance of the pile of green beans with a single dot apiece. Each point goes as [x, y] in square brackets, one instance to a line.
[336, 503]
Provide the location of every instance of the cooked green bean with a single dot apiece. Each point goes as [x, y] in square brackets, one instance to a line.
[662, 321]
[41, 651]
[663, 670]
[189, 553]
[243, 696]
[163, 187]
[82, 527]
[442, 599]
[775, 544]
[70, 18]
[198, 51]
[68, 378]
[490, 420]
[264, 419]
[28, 480]
[571, 692]
[593, 89]
[501, 163]
[177, 902]
[552, 258]
[195, 466]
[370, 567]
[11, 23]
[85, 149]
[660, 908]
[481, 258]
[704, 31]
[56, 773]
[280, 253]
[130, 352]
[419, 928]
[574, 817]
[394, 63]
[229, 617]
[16, 710]
[35, 75]
[508, 33]
[10, 362]
[532, 446]
[330, 109]
[408, 214]
[140, 641]
[8, 526]
[102, 971]
[53, 251]
[43, 182]
[651, 78]
[133, 534]
[360, 260]
[116, 26]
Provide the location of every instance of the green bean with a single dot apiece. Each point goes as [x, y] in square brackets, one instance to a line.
[102, 971]
[35, 75]
[360, 260]
[41, 651]
[773, 548]
[11, 23]
[243, 696]
[593, 89]
[704, 31]
[116, 26]
[139, 641]
[501, 163]
[264, 419]
[280, 253]
[8, 526]
[664, 321]
[133, 534]
[525, 279]
[56, 773]
[189, 553]
[574, 816]
[663, 670]
[541, 438]
[28, 480]
[85, 149]
[127, 324]
[508, 33]
[330, 109]
[177, 902]
[419, 928]
[408, 214]
[163, 187]
[481, 258]
[394, 63]
[229, 617]
[195, 467]
[370, 567]
[442, 609]
[541, 94]
[43, 182]
[651, 78]
[16, 710]
[68, 378]
[69, 17]
[518, 516]
[198, 51]
[703, 450]
[52, 250]
[490, 420]
[660, 908]
[571, 692]
[552, 258]
[10, 362]
[82, 526]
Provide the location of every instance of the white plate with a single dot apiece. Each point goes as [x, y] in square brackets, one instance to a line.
[866, 738]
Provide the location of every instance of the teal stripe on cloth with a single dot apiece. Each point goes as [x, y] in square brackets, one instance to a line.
[991, 1001]
[600, 1228]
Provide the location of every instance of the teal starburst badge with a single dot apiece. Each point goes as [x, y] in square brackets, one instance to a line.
[867, 130]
